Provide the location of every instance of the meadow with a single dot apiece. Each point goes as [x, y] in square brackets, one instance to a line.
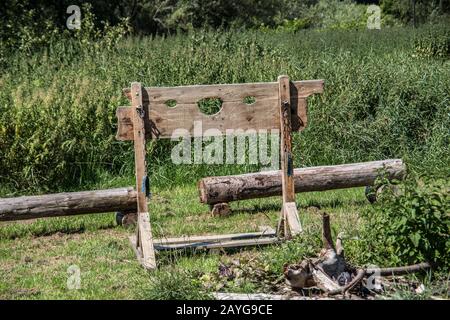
[381, 100]
[386, 96]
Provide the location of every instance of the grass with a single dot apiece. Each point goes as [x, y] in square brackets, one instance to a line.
[35, 255]
[34, 259]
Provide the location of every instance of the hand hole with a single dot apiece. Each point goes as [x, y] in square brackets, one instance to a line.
[249, 100]
[171, 103]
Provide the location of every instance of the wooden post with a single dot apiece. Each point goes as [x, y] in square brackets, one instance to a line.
[289, 221]
[144, 240]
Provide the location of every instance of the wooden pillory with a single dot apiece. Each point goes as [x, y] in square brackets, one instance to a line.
[277, 105]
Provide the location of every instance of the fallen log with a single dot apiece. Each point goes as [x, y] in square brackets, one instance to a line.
[69, 203]
[225, 189]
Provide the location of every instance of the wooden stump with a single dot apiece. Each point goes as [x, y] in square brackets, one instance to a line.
[130, 219]
[220, 209]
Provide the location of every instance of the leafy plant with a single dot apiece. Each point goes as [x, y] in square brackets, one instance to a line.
[409, 226]
[92, 36]
[435, 43]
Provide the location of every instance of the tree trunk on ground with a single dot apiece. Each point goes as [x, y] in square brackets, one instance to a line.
[268, 183]
[70, 203]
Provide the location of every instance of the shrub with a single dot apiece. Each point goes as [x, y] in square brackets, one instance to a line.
[408, 226]
[94, 37]
[435, 42]
[338, 15]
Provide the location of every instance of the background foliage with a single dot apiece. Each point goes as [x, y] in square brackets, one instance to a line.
[39, 21]
[57, 106]
[387, 92]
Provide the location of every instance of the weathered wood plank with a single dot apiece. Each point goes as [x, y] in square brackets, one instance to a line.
[264, 296]
[214, 238]
[146, 241]
[227, 92]
[162, 121]
[219, 244]
[291, 215]
[287, 168]
[289, 222]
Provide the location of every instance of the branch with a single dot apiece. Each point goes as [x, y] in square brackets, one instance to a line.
[397, 271]
[327, 239]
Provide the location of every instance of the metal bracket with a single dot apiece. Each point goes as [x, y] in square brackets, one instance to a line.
[145, 188]
[140, 111]
[290, 167]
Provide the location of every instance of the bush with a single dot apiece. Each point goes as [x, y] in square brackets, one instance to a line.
[409, 226]
[434, 43]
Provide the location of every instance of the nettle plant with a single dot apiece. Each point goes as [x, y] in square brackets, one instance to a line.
[410, 223]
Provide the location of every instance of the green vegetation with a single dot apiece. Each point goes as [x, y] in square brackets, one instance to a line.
[210, 106]
[34, 259]
[409, 225]
[40, 21]
[35, 255]
[57, 105]
[387, 94]
[435, 42]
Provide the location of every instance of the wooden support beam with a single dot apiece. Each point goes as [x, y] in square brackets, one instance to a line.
[291, 215]
[287, 169]
[143, 230]
[289, 221]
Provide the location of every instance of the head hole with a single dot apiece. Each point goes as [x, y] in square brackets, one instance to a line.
[210, 106]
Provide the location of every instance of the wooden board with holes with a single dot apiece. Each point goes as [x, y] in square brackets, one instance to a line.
[186, 118]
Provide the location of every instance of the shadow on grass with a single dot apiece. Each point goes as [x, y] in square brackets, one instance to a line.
[320, 204]
[27, 230]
